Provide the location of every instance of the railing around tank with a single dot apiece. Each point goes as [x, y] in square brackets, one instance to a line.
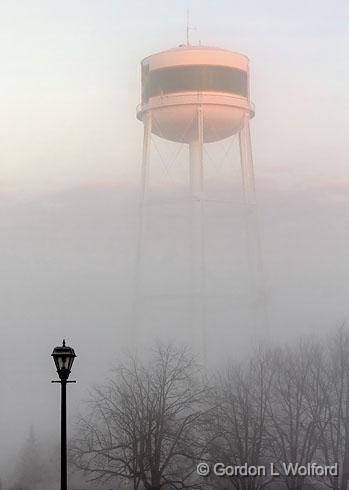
[195, 98]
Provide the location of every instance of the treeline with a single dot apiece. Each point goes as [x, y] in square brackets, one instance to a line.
[154, 421]
[37, 467]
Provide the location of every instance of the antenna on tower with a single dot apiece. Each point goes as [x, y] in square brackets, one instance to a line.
[189, 28]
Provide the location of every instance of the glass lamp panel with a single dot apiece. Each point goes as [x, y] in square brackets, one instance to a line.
[70, 360]
[61, 362]
[55, 358]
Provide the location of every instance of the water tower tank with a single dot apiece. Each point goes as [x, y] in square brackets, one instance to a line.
[175, 81]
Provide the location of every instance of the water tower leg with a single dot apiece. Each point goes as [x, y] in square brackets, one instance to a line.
[196, 160]
[146, 155]
[255, 262]
[247, 163]
[145, 173]
[198, 255]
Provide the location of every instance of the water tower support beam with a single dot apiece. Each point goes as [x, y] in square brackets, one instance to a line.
[196, 159]
[254, 252]
[145, 174]
[198, 247]
[247, 163]
[147, 121]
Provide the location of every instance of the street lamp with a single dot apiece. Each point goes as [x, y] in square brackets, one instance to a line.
[63, 357]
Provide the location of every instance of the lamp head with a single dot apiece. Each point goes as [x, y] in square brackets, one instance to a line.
[63, 357]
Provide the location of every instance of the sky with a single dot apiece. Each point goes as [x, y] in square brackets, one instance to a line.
[70, 152]
[70, 78]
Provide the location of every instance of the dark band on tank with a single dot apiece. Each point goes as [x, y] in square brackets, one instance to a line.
[198, 78]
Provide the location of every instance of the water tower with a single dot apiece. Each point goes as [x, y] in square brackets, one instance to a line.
[197, 95]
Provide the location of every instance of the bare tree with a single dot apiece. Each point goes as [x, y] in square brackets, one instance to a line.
[151, 424]
[143, 426]
[31, 471]
[294, 411]
[334, 424]
[237, 424]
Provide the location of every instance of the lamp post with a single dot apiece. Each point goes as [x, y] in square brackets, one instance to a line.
[63, 357]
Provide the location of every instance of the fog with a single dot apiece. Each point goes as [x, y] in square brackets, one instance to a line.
[67, 264]
[70, 151]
